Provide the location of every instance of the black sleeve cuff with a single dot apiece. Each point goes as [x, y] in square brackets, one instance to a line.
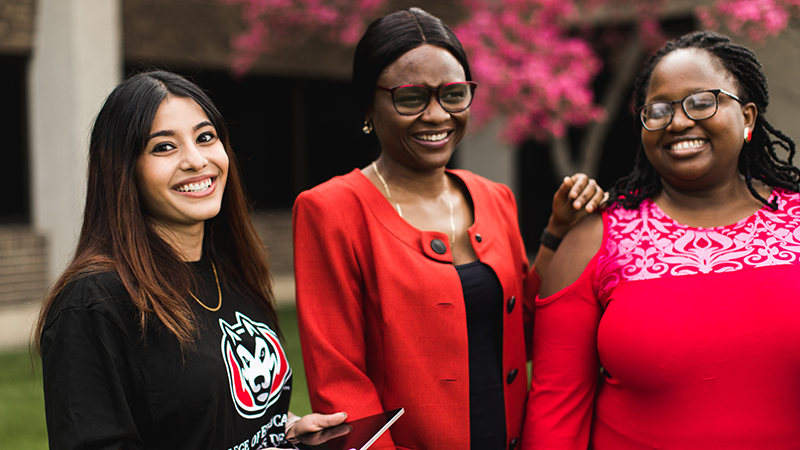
[550, 241]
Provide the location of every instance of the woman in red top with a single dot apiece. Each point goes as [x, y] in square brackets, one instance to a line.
[687, 290]
[412, 282]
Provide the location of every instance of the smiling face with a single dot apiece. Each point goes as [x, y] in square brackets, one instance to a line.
[427, 140]
[182, 170]
[700, 154]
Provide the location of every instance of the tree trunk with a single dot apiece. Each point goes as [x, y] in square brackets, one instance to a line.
[591, 148]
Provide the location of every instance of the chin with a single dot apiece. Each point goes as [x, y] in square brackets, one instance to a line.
[436, 160]
[202, 216]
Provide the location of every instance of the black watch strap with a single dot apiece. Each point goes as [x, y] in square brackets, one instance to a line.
[549, 240]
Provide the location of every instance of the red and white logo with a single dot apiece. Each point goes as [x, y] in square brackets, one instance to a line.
[257, 366]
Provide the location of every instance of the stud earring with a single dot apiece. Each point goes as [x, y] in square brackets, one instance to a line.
[367, 128]
[748, 134]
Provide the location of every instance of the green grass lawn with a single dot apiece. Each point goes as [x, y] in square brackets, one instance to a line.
[22, 424]
[288, 320]
[21, 403]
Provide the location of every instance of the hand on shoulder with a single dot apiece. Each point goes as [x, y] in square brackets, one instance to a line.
[577, 197]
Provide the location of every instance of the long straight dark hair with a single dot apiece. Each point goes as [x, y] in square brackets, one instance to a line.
[115, 235]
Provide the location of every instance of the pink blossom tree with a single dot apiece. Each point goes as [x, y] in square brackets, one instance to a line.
[757, 19]
[534, 59]
[536, 67]
[538, 70]
[272, 23]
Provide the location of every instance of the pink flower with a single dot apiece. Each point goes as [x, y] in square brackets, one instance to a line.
[271, 23]
[758, 19]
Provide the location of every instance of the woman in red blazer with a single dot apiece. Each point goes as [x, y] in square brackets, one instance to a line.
[413, 288]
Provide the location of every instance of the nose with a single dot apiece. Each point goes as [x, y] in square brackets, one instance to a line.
[193, 158]
[680, 121]
[434, 113]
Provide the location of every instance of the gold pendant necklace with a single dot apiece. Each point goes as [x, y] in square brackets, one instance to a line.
[219, 291]
[400, 211]
[386, 188]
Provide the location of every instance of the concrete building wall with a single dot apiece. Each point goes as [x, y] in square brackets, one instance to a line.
[484, 153]
[780, 58]
[76, 61]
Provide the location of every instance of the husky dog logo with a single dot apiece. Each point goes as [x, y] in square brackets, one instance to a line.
[257, 365]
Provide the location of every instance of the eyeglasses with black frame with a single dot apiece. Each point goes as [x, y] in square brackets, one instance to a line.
[697, 106]
[412, 99]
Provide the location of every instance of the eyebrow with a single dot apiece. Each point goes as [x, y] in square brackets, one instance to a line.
[200, 125]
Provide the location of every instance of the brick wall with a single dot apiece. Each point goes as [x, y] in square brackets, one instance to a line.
[23, 260]
[16, 27]
[23, 266]
[275, 229]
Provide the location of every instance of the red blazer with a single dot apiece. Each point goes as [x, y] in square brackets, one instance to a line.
[382, 316]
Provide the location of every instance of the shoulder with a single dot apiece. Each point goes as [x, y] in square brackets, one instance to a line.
[86, 289]
[350, 185]
[474, 180]
[577, 249]
[93, 311]
[341, 206]
[94, 293]
[341, 193]
[337, 197]
[484, 190]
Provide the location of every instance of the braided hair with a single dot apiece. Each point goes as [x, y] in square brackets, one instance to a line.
[757, 159]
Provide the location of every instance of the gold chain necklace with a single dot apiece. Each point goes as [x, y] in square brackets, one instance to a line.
[219, 291]
[400, 211]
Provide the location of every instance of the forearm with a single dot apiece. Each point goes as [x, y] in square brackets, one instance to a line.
[545, 253]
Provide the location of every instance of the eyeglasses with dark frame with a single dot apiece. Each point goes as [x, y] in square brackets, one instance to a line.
[697, 106]
[413, 99]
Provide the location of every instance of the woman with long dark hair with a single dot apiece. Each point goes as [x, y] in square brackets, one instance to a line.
[413, 284]
[686, 290]
[162, 331]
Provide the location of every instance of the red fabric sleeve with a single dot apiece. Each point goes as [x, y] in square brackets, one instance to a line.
[330, 311]
[565, 368]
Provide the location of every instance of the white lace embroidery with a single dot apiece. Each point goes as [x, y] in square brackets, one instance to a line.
[645, 244]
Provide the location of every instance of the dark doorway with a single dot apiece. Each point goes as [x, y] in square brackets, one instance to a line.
[14, 184]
